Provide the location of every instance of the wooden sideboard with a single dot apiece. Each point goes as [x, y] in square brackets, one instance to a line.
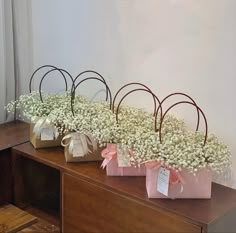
[84, 199]
[81, 198]
[11, 134]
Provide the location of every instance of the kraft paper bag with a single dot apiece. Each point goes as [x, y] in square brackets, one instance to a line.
[77, 148]
[38, 143]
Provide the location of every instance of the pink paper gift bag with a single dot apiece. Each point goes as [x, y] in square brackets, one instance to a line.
[112, 169]
[178, 184]
[186, 185]
[111, 163]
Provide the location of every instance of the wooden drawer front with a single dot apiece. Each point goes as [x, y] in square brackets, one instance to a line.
[90, 208]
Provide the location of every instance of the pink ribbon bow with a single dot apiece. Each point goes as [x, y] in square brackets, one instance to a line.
[108, 154]
[175, 177]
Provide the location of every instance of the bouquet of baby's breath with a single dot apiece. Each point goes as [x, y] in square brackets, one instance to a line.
[107, 128]
[133, 128]
[96, 119]
[180, 148]
[85, 113]
[32, 106]
[63, 118]
[93, 118]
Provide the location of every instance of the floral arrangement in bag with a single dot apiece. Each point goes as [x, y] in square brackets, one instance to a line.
[129, 121]
[36, 107]
[185, 157]
[180, 148]
[77, 120]
[117, 158]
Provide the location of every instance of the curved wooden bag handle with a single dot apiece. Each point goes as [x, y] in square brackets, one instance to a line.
[139, 89]
[55, 69]
[41, 67]
[90, 78]
[128, 84]
[185, 102]
[93, 72]
[180, 93]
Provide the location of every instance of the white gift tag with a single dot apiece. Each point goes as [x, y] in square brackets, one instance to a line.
[123, 157]
[163, 181]
[78, 148]
[46, 134]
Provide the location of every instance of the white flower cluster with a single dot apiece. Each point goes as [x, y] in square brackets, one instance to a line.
[134, 130]
[181, 148]
[32, 106]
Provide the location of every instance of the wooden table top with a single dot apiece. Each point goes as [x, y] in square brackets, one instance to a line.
[197, 211]
[13, 133]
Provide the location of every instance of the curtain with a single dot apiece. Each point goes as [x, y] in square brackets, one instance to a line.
[15, 52]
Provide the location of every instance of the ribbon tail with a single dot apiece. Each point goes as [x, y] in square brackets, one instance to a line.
[71, 147]
[92, 142]
[37, 127]
[84, 144]
[105, 162]
[55, 132]
[108, 154]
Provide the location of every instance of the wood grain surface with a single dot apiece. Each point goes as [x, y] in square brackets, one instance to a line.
[40, 227]
[13, 133]
[204, 213]
[89, 208]
[13, 219]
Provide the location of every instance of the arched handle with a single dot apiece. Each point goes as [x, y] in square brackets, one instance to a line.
[94, 72]
[90, 78]
[128, 84]
[55, 69]
[41, 67]
[180, 93]
[184, 102]
[140, 89]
